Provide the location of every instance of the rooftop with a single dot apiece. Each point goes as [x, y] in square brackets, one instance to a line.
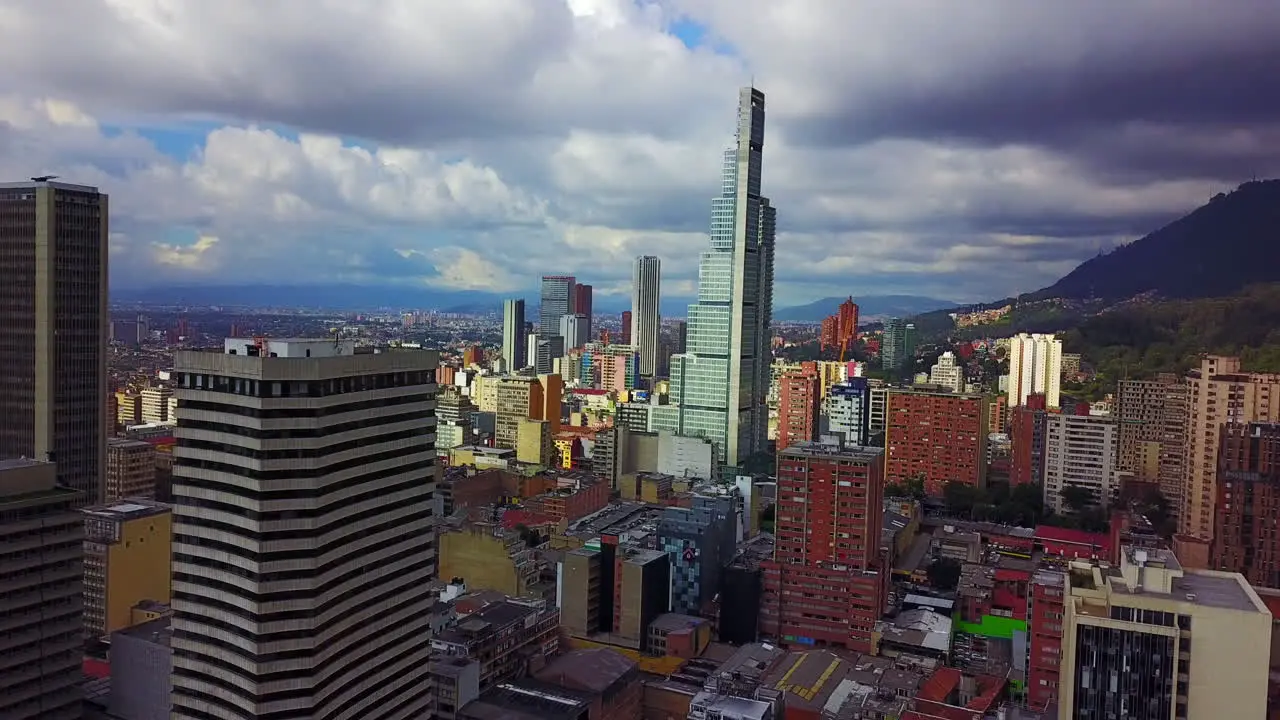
[128, 509]
[852, 453]
[591, 670]
[527, 700]
[158, 631]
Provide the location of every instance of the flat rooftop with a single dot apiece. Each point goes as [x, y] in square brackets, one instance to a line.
[158, 631]
[853, 453]
[128, 509]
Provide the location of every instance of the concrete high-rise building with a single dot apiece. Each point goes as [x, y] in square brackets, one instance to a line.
[1153, 432]
[1219, 393]
[1150, 640]
[574, 329]
[938, 436]
[625, 332]
[1035, 367]
[53, 329]
[513, 343]
[720, 384]
[847, 322]
[947, 372]
[847, 411]
[824, 583]
[556, 302]
[304, 535]
[1244, 538]
[798, 406]
[130, 470]
[41, 546]
[155, 405]
[127, 558]
[893, 344]
[701, 540]
[1027, 437]
[582, 306]
[519, 399]
[1080, 451]
[547, 353]
[646, 289]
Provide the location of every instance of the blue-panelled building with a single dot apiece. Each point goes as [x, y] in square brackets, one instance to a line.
[701, 541]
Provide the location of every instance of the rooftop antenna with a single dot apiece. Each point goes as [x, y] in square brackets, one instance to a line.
[44, 178]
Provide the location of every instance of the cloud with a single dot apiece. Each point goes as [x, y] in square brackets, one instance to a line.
[967, 151]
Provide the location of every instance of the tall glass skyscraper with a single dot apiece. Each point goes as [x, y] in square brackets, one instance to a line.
[719, 384]
[646, 282]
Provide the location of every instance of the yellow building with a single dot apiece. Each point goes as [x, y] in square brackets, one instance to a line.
[128, 408]
[127, 559]
[488, 558]
[534, 443]
[1180, 643]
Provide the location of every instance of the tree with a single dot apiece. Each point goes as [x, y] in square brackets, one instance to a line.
[767, 518]
[944, 573]
[960, 498]
[1077, 499]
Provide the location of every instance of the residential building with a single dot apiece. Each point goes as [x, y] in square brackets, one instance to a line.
[612, 367]
[128, 408]
[53, 329]
[798, 409]
[847, 323]
[1244, 537]
[41, 646]
[1080, 451]
[1220, 392]
[879, 405]
[646, 290]
[700, 540]
[552, 410]
[1026, 440]
[513, 337]
[343, 436]
[535, 443]
[582, 306]
[938, 435]
[519, 398]
[641, 593]
[130, 469]
[719, 385]
[625, 331]
[127, 557]
[1035, 367]
[947, 372]
[1150, 640]
[495, 644]
[893, 345]
[155, 405]
[847, 411]
[1153, 416]
[453, 415]
[1044, 628]
[556, 302]
[824, 584]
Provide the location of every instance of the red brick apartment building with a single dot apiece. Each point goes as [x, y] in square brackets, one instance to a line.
[1044, 625]
[1244, 537]
[798, 396]
[941, 436]
[824, 586]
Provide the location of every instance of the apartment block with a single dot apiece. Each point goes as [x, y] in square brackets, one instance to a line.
[1150, 640]
[1035, 367]
[41, 641]
[798, 405]
[1220, 392]
[155, 405]
[131, 469]
[1026, 441]
[947, 372]
[127, 557]
[518, 399]
[824, 584]
[1046, 595]
[641, 593]
[1080, 451]
[937, 435]
[1244, 537]
[1154, 416]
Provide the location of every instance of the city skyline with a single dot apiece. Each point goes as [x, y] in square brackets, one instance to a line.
[529, 157]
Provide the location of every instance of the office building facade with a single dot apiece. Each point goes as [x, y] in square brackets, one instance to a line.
[513, 340]
[720, 384]
[575, 329]
[41, 641]
[556, 301]
[700, 541]
[582, 302]
[304, 536]
[53, 329]
[646, 288]
[127, 558]
[847, 411]
[130, 470]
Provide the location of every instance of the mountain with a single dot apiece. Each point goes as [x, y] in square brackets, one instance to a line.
[1217, 250]
[360, 297]
[869, 307]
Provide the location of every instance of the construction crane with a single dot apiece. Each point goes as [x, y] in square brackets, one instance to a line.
[844, 346]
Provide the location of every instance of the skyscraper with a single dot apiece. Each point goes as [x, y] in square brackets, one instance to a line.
[626, 328]
[575, 329]
[556, 302]
[893, 344]
[719, 386]
[646, 285]
[303, 537]
[53, 329]
[1035, 366]
[513, 343]
[582, 306]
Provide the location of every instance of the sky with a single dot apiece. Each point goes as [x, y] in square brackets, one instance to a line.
[966, 151]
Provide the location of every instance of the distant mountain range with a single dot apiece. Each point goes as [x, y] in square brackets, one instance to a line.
[1217, 250]
[374, 297]
[870, 308]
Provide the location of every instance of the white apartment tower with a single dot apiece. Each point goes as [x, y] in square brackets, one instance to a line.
[1035, 367]
[646, 287]
[947, 372]
[1080, 450]
[513, 342]
[304, 539]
